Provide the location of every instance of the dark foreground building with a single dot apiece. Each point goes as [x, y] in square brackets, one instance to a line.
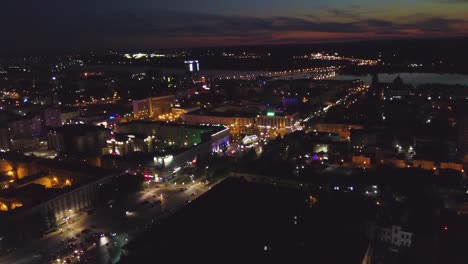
[240, 222]
[39, 195]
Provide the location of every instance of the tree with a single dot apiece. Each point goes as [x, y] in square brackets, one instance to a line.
[398, 82]
[49, 219]
[106, 192]
[250, 156]
[128, 183]
[219, 166]
[375, 80]
[251, 93]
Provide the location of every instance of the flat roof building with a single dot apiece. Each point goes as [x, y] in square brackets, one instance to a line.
[168, 148]
[45, 191]
[152, 107]
[83, 139]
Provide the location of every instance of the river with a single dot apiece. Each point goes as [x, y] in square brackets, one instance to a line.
[412, 78]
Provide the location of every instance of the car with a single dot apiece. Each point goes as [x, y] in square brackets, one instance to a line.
[85, 231]
[91, 240]
[144, 203]
[193, 194]
[187, 201]
[71, 246]
[49, 231]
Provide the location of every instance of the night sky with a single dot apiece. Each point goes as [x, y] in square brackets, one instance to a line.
[80, 25]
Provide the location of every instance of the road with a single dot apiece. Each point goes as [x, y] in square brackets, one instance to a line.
[143, 210]
[316, 73]
[347, 100]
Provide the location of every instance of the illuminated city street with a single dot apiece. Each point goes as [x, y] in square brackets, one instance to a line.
[287, 132]
[111, 220]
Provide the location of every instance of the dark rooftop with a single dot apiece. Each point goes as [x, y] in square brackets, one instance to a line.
[204, 112]
[78, 129]
[126, 136]
[240, 222]
[32, 193]
[162, 123]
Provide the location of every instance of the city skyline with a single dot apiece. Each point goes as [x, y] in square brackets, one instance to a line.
[327, 131]
[63, 26]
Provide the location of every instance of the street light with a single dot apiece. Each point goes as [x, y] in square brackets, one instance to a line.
[66, 222]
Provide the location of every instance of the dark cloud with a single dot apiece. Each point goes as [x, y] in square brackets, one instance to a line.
[378, 23]
[146, 29]
[201, 24]
[346, 13]
[238, 25]
[437, 25]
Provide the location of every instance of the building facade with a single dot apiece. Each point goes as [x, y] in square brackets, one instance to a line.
[52, 117]
[78, 139]
[395, 236]
[153, 107]
[424, 164]
[44, 194]
[163, 164]
[4, 139]
[344, 130]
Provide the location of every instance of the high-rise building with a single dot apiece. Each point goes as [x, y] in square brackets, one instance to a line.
[463, 139]
[21, 127]
[4, 138]
[52, 117]
[152, 107]
[55, 85]
[83, 139]
[24, 132]
[192, 66]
